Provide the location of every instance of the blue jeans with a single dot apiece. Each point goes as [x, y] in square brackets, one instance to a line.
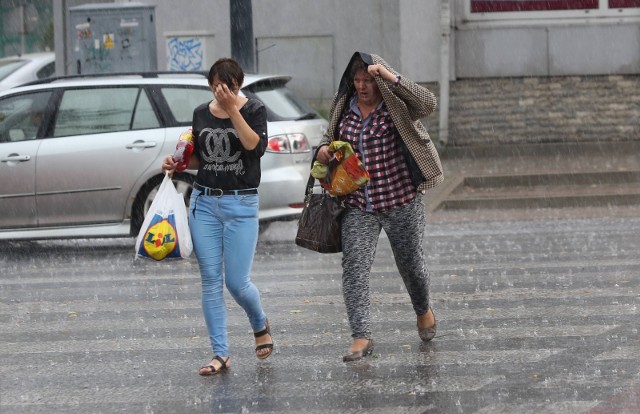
[224, 231]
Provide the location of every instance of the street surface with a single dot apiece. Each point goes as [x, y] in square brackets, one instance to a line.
[536, 314]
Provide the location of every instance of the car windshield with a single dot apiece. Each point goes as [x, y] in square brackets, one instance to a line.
[282, 104]
[10, 66]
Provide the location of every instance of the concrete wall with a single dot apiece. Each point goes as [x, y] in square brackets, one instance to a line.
[318, 38]
[420, 40]
[208, 19]
[527, 44]
[313, 41]
[405, 32]
[548, 51]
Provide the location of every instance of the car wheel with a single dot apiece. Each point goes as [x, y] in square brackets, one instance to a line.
[263, 226]
[183, 184]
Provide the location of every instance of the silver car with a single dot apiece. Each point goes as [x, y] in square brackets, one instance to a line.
[81, 157]
[16, 70]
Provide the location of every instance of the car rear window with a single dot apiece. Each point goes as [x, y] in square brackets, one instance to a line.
[282, 104]
[46, 71]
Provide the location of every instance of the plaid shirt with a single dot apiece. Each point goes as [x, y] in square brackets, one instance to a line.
[375, 141]
[407, 103]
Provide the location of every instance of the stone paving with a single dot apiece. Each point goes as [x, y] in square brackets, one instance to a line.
[537, 312]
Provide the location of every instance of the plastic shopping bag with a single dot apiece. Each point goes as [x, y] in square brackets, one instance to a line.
[165, 231]
[345, 172]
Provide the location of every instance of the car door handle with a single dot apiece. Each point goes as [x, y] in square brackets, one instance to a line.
[16, 157]
[141, 144]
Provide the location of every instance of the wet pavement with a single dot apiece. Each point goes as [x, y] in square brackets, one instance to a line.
[537, 313]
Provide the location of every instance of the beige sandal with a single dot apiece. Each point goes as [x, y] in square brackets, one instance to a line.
[357, 355]
[427, 334]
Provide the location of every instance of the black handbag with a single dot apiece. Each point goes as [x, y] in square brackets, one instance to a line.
[320, 224]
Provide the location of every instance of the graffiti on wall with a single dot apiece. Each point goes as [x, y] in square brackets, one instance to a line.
[185, 53]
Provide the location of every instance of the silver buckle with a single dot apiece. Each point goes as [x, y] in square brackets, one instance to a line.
[217, 192]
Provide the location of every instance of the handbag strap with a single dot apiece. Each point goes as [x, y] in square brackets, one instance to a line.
[309, 189]
[310, 183]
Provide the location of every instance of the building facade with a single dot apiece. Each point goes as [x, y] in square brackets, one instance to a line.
[564, 61]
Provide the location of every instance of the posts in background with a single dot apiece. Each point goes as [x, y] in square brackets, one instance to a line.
[241, 18]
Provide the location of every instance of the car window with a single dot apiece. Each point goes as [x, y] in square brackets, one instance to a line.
[21, 116]
[281, 102]
[144, 116]
[93, 111]
[47, 70]
[182, 101]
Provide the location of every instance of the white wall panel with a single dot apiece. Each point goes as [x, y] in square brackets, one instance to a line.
[501, 52]
[594, 50]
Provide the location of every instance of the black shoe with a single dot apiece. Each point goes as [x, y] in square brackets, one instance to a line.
[356, 355]
[211, 370]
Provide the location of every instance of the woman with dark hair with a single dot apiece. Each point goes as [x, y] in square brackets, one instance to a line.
[230, 136]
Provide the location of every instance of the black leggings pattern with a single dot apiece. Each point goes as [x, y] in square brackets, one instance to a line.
[404, 227]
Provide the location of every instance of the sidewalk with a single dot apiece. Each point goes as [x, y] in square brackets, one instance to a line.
[541, 180]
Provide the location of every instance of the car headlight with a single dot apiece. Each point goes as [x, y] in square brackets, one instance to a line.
[288, 143]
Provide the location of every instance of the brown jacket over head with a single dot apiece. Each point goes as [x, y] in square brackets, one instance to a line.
[407, 103]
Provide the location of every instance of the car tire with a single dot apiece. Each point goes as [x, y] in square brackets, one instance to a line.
[184, 184]
[263, 226]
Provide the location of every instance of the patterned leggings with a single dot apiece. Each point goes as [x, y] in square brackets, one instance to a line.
[404, 227]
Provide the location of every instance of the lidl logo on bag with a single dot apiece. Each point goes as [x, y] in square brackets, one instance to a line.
[160, 240]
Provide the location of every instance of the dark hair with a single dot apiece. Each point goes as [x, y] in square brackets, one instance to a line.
[228, 71]
[357, 65]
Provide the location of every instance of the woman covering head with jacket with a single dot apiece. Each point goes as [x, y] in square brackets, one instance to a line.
[378, 111]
